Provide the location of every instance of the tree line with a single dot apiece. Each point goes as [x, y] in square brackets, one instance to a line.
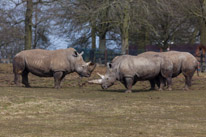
[28, 24]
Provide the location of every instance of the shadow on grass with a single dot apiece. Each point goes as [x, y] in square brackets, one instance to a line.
[42, 87]
[50, 87]
[35, 87]
[123, 90]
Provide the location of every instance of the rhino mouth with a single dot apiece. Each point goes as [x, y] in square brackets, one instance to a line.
[106, 86]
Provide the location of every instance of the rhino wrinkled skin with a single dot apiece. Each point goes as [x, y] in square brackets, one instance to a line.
[130, 69]
[183, 62]
[45, 63]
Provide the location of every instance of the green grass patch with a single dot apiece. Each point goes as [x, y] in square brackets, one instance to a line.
[80, 109]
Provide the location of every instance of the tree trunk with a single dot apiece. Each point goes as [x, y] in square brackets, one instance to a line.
[193, 37]
[143, 39]
[93, 38]
[203, 32]
[35, 27]
[102, 42]
[203, 23]
[125, 44]
[92, 53]
[102, 46]
[125, 30]
[28, 25]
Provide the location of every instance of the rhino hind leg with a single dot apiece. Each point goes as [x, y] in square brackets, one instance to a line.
[18, 69]
[188, 82]
[58, 77]
[152, 84]
[25, 79]
[169, 83]
[166, 78]
[163, 81]
[16, 79]
[188, 78]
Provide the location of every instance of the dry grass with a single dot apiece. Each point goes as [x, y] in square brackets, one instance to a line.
[79, 109]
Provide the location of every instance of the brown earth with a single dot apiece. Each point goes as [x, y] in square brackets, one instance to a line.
[80, 109]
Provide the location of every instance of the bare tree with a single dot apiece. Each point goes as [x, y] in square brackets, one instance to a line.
[196, 9]
[138, 22]
[11, 29]
[166, 23]
[28, 24]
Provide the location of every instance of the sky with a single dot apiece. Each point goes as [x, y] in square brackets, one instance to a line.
[62, 43]
[58, 43]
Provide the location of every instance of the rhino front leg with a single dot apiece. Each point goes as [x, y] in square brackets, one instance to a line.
[188, 78]
[128, 82]
[58, 77]
[25, 79]
[188, 82]
[162, 83]
[156, 81]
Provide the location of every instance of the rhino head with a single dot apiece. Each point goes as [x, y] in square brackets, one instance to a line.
[108, 79]
[84, 69]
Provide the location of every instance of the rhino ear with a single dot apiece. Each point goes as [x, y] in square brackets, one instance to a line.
[109, 65]
[81, 53]
[75, 54]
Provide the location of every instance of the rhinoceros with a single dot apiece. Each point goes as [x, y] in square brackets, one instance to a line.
[45, 63]
[183, 62]
[130, 69]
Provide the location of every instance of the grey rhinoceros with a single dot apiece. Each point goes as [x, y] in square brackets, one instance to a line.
[183, 62]
[130, 69]
[45, 63]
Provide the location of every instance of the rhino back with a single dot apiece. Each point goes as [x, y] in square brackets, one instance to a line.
[148, 54]
[189, 62]
[141, 67]
[44, 62]
[181, 61]
[37, 61]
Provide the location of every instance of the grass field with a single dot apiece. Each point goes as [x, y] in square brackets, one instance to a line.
[80, 109]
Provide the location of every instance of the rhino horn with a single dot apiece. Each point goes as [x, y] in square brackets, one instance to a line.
[92, 67]
[101, 76]
[96, 81]
[88, 63]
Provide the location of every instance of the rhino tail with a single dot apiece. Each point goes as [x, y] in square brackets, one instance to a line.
[18, 65]
[197, 69]
[166, 69]
[166, 73]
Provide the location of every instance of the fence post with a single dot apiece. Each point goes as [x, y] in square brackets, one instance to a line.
[105, 57]
[205, 62]
[201, 61]
[92, 55]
